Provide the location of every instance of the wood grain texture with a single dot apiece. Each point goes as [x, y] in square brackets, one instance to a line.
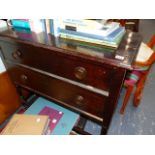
[9, 98]
[30, 62]
[63, 92]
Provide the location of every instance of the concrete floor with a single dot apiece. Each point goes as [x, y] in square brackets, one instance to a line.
[141, 120]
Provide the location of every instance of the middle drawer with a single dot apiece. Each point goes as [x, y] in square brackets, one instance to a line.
[60, 91]
[70, 67]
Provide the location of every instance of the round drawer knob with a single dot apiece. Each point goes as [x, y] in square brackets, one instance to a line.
[17, 54]
[24, 78]
[79, 100]
[80, 73]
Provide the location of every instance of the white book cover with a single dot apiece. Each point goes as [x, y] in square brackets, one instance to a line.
[102, 29]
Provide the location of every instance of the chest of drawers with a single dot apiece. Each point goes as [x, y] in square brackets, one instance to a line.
[83, 79]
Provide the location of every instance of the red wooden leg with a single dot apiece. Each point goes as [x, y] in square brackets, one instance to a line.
[126, 98]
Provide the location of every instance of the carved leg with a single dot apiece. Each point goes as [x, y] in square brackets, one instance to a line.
[126, 98]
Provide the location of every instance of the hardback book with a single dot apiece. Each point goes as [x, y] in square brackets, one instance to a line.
[37, 25]
[113, 44]
[24, 33]
[47, 22]
[38, 29]
[89, 26]
[112, 37]
[22, 124]
[51, 26]
[82, 23]
[54, 116]
[20, 23]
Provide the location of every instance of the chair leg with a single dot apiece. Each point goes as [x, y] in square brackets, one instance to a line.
[126, 98]
[137, 97]
[138, 91]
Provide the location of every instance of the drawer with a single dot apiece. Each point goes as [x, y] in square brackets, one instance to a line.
[65, 93]
[70, 67]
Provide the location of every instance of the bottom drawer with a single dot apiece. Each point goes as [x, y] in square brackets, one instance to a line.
[63, 92]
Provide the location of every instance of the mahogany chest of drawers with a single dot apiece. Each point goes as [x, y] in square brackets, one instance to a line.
[84, 79]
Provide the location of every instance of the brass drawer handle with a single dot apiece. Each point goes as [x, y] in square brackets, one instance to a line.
[24, 77]
[79, 100]
[17, 54]
[80, 73]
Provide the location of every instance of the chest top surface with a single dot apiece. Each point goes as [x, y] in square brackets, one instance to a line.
[123, 56]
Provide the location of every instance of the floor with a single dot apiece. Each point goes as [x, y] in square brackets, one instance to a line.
[141, 120]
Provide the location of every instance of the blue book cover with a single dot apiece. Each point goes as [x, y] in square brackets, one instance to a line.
[51, 27]
[112, 37]
[65, 124]
[20, 23]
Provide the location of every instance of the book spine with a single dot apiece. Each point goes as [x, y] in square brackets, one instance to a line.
[20, 23]
[68, 36]
[47, 25]
[56, 27]
[51, 26]
[43, 23]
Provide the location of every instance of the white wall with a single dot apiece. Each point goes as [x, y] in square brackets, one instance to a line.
[2, 67]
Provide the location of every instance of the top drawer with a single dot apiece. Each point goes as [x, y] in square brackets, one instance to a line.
[70, 67]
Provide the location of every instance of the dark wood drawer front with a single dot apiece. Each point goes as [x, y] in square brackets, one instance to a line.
[70, 67]
[61, 91]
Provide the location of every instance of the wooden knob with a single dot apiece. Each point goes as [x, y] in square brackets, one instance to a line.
[17, 54]
[79, 100]
[24, 78]
[80, 73]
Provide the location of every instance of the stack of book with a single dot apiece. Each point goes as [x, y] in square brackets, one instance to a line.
[92, 31]
[62, 119]
[41, 118]
[96, 32]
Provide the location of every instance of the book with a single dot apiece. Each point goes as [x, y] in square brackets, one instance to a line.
[47, 23]
[54, 116]
[51, 27]
[112, 37]
[38, 29]
[37, 25]
[82, 23]
[91, 40]
[20, 23]
[89, 26]
[56, 27]
[22, 124]
[24, 33]
[65, 124]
